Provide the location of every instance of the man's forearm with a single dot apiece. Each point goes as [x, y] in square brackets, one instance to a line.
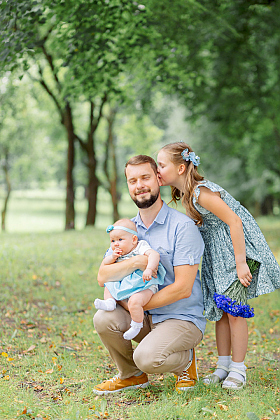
[180, 289]
[116, 272]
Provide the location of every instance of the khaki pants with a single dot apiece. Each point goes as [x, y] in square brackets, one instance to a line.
[163, 347]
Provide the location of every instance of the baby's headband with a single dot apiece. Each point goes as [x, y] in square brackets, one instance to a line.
[111, 227]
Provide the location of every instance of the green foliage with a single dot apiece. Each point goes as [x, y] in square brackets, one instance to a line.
[36, 153]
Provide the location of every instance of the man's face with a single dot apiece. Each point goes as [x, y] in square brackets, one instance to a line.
[142, 185]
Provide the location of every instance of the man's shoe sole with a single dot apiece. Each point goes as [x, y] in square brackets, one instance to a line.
[122, 389]
[185, 388]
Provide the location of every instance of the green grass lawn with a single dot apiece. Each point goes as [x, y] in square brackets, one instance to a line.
[51, 357]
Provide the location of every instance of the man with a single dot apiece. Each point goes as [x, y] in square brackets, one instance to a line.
[174, 321]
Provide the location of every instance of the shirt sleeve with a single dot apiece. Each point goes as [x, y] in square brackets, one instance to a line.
[189, 245]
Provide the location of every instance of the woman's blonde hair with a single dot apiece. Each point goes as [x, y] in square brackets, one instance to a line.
[192, 178]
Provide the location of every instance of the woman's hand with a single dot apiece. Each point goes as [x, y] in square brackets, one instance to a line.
[244, 274]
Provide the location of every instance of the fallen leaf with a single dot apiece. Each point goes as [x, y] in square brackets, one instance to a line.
[61, 380]
[223, 407]
[4, 354]
[49, 371]
[31, 348]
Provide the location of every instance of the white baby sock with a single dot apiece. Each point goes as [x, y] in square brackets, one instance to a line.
[134, 329]
[222, 361]
[233, 374]
[107, 305]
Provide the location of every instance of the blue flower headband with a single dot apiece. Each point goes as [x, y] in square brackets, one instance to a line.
[111, 227]
[190, 156]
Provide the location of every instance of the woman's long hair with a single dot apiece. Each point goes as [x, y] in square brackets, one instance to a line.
[192, 179]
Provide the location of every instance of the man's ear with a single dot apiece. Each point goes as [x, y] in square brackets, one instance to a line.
[181, 169]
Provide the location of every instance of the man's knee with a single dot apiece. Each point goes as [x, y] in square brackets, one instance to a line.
[117, 320]
[143, 361]
[101, 320]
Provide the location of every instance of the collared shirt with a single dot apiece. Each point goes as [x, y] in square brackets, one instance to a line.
[178, 241]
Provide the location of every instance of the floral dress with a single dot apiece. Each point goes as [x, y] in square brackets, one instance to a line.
[218, 270]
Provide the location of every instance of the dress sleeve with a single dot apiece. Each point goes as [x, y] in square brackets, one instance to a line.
[213, 187]
[143, 247]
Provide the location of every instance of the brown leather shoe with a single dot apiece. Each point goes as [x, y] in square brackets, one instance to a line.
[116, 384]
[188, 377]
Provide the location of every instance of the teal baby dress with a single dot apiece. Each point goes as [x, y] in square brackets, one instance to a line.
[218, 270]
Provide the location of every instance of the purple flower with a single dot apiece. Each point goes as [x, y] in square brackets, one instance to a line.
[231, 307]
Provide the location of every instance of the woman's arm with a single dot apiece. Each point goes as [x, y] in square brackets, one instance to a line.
[116, 272]
[180, 289]
[212, 201]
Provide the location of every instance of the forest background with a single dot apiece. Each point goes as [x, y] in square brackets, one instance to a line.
[87, 84]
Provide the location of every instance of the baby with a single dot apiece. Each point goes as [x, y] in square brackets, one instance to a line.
[139, 286]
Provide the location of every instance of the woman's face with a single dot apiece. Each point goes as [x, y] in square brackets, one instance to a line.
[167, 172]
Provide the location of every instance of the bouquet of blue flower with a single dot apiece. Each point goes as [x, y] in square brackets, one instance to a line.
[234, 301]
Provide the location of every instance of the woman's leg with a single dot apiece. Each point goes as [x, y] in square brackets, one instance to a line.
[239, 337]
[223, 340]
[223, 336]
[239, 342]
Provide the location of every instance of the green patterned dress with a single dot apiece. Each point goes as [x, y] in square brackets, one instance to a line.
[218, 265]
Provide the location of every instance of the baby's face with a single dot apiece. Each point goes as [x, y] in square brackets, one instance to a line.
[123, 241]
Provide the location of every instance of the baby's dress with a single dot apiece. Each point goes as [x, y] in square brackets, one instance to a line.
[218, 269]
[134, 282]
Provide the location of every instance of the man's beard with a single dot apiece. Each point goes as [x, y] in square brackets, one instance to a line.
[145, 204]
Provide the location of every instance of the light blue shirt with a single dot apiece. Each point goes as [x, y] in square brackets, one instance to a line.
[178, 241]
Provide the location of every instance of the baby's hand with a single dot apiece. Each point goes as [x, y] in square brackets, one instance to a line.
[244, 274]
[116, 253]
[147, 274]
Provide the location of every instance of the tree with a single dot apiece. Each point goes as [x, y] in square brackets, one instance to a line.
[78, 51]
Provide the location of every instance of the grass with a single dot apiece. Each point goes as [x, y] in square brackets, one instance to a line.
[50, 355]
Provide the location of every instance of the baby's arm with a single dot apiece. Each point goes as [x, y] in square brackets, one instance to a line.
[152, 266]
[111, 259]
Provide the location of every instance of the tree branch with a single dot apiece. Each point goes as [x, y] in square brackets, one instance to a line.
[50, 93]
[81, 142]
[49, 58]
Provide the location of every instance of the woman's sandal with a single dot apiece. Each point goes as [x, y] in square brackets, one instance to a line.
[233, 383]
[212, 378]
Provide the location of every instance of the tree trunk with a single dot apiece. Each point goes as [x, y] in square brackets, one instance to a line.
[93, 184]
[93, 181]
[70, 195]
[267, 205]
[8, 185]
[113, 180]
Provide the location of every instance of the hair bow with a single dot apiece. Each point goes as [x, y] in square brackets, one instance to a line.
[109, 228]
[190, 156]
